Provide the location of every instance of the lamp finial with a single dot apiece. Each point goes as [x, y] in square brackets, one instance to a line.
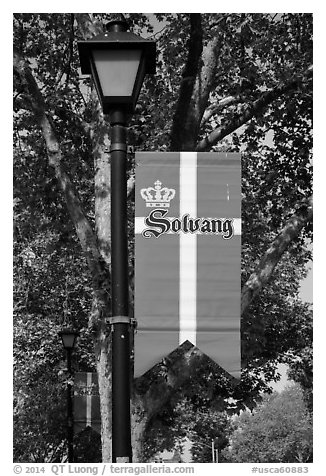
[117, 23]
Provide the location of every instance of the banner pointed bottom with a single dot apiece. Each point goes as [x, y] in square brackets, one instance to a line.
[153, 346]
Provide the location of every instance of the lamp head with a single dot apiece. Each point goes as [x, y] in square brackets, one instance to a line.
[69, 338]
[118, 61]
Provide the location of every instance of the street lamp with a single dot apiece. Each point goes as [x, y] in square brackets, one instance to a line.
[118, 61]
[69, 338]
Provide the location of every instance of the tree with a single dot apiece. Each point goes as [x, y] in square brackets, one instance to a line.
[279, 430]
[224, 82]
[209, 427]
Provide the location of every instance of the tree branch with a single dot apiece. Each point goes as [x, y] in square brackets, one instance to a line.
[130, 185]
[260, 277]
[188, 80]
[216, 107]
[255, 108]
[37, 105]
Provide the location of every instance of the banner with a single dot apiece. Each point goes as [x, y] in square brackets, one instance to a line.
[187, 256]
[86, 403]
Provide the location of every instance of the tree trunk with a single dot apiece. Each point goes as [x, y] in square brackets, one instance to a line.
[139, 421]
[196, 85]
[103, 367]
[102, 340]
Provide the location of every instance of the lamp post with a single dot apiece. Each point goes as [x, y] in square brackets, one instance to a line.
[118, 61]
[69, 338]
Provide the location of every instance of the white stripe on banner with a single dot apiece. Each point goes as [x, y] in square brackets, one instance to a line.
[188, 249]
[89, 399]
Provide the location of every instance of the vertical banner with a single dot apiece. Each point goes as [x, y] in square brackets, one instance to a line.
[86, 403]
[187, 256]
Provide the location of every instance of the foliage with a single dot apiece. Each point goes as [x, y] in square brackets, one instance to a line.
[183, 419]
[279, 430]
[87, 447]
[39, 421]
[301, 371]
[209, 427]
[254, 55]
[164, 433]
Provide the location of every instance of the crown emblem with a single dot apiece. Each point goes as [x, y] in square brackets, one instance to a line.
[157, 196]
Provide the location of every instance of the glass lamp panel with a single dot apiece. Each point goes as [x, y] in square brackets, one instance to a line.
[117, 71]
[68, 340]
[140, 79]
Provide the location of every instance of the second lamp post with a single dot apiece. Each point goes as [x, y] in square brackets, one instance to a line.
[69, 337]
[118, 61]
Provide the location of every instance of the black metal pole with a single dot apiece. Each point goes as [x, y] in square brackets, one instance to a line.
[121, 428]
[70, 421]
